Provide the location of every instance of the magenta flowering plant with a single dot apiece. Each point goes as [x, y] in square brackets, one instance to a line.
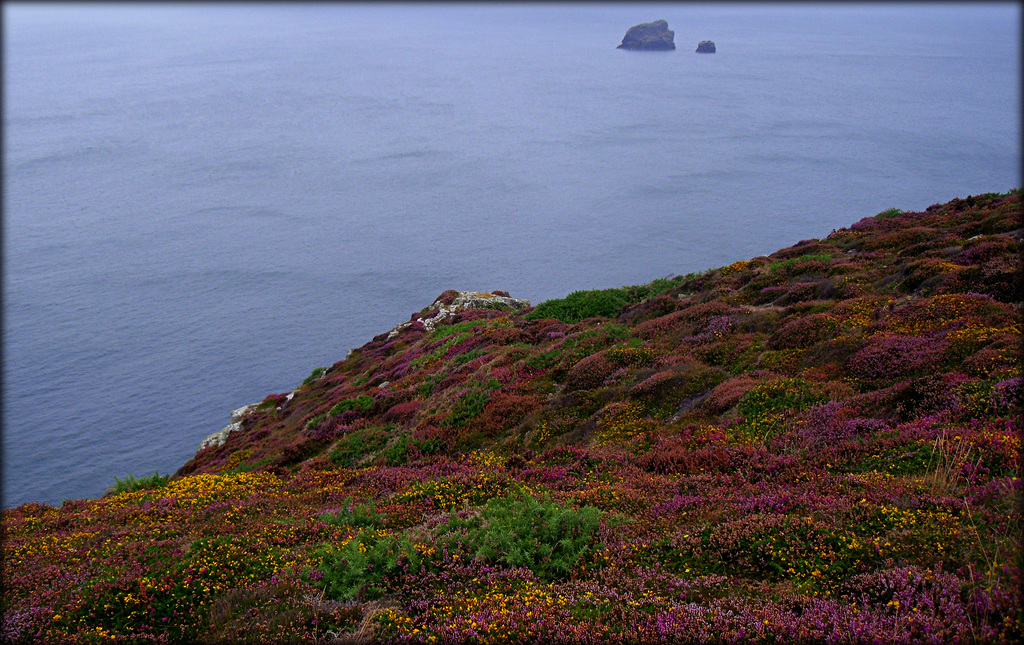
[886, 356]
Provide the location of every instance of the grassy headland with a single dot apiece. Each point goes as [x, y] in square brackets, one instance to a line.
[819, 445]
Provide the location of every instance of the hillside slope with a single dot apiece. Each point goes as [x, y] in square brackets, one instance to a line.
[819, 444]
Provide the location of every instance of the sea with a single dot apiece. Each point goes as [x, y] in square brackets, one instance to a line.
[204, 202]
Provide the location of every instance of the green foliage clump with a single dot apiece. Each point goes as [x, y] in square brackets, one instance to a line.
[471, 404]
[632, 356]
[315, 421]
[397, 453]
[522, 531]
[359, 515]
[444, 331]
[362, 402]
[351, 448]
[599, 303]
[890, 213]
[764, 407]
[466, 407]
[784, 265]
[364, 564]
[614, 331]
[636, 293]
[426, 388]
[314, 375]
[130, 483]
[913, 459]
[544, 360]
[580, 305]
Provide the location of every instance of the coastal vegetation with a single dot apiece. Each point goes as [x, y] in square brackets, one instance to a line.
[819, 445]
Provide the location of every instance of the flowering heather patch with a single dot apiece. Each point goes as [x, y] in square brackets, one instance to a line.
[891, 356]
[821, 445]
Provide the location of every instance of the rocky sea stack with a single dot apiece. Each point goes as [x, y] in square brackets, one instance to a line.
[649, 36]
[706, 47]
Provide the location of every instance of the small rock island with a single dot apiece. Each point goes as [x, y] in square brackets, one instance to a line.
[649, 36]
[706, 47]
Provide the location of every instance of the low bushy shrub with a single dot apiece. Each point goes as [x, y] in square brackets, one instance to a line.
[362, 402]
[351, 448]
[363, 565]
[580, 305]
[316, 373]
[519, 530]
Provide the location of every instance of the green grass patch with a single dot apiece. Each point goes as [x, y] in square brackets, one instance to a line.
[353, 447]
[314, 375]
[362, 402]
[785, 265]
[130, 483]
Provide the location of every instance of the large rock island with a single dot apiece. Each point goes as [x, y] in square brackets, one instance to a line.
[649, 36]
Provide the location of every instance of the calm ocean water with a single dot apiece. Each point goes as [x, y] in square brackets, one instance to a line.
[203, 203]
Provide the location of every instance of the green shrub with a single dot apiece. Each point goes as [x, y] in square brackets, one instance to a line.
[466, 407]
[580, 305]
[599, 303]
[426, 388]
[398, 452]
[783, 265]
[130, 483]
[443, 331]
[365, 564]
[428, 446]
[360, 515]
[315, 421]
[632, 356]
[544, 359]
[362, 402]
[351, 448]
[521, 531]
[317, 373]
[890, 213]
[471, 404]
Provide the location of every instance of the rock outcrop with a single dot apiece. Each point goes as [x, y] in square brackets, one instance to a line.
[218, 438]
[649, 36]
[450, 302]
[706, 47]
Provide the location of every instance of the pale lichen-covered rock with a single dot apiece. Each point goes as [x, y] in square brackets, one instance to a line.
[450, 302]
[218, 438]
